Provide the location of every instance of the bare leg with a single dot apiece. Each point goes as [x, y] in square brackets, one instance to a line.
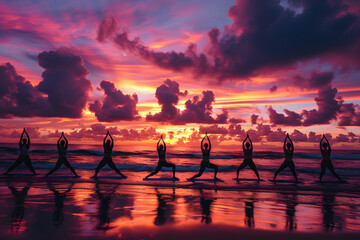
[282, 167]
[292, 168]
[18, 161]
[211, 165]
[112, 165]
[171, 165]
[331, 169]
[28, 164]
[323, 169]
[102, 163]
[67, 164]
[57, 166]
[157, 169]
[202, 169]
[253, 167]
[242, 166]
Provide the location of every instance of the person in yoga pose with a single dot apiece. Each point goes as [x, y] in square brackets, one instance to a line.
[325, 150]
[24, 145]
[247, 157]
[161, 149]
[288, 162]
[205, 163]
[62, 146]
[107, 159]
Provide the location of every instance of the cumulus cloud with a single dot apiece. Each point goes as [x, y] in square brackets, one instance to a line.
[116, 105]
[63, 91]
[254, 43]
[254, 118]
[290, 119]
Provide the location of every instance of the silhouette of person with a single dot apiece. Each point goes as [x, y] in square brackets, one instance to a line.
[107, 159]
[328, 212]
[19, 209]
[205, 204]
[288, 162]
[249, 214]
[59, 198]
[290, 213]
[105, 199]
[24, 145]
[247, 158]
[161, 149]
[205, 163]
[62, 147]
[325, 150]
[165, 209]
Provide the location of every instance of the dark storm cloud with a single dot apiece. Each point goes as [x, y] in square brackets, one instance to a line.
[116, 105]
[291, 118]
[254, 118]
[63, 91]
[264, 36]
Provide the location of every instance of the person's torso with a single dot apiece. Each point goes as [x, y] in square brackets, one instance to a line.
[107, 152]
[62, 151]
[161, 156]
[288, 155]
[206, 155]
[247, 154]
[24, 150]
[325, 154]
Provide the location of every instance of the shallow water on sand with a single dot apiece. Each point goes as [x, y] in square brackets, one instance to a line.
[59, 210]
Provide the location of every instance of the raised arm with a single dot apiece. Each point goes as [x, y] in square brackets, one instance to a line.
[327, 143]
[158, 144]
[58, 141]
[251, 145]
[28, 142]
[21, 137]
[112, 140]
[66, 141]
[105, 138]
[322, 139]
[243, 144]
[209, 142]
[287, 136]
[202, 141]
[164, 143]
[292, 145]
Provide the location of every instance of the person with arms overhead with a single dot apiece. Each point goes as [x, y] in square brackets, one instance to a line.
[62, 146]
[107, 159]
[247, 157]
[325, 150]
[24, 145]
[288, 162]
[161, 149]
[205, 163]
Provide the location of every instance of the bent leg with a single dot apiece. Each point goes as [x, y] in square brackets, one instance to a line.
[18, 161]
[112, 165]
[102, 163]
[323, 169]
[242, 166]
[157, 169]
[57, 166]
[28, 163]
[292, 168]
[211, 165]
[67, 164]
[331, 169]
[202, 169]
[282, 167]
[253, 167]
[171, 165]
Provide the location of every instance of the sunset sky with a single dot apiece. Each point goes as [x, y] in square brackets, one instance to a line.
[181, 68]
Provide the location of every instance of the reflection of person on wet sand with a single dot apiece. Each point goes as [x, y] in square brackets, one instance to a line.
[19, 209]
[59, 198]
[105, 199]
[205, 207]
[326, 162]
[247, 157]
[62, 147]
[165, 209]
[249, 214]
[205, 163]
[107, 159]
[288, 162]
[161, 149]
[291, 203]
[328, 219]
[24, 145]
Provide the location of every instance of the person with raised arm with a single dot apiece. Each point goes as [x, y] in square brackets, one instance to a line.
[247, 157]
[325, 150]
[62, 146]
[205, 163]
[107, 159]
[161, 149]
[24, 146]
[288, 162]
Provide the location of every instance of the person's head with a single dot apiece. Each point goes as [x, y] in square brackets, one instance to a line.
[247, 145]
[24, 140]
[62, 143]
[206, 146]
[288, 146]
[107, 143]
[325, 145]
[161, 147]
